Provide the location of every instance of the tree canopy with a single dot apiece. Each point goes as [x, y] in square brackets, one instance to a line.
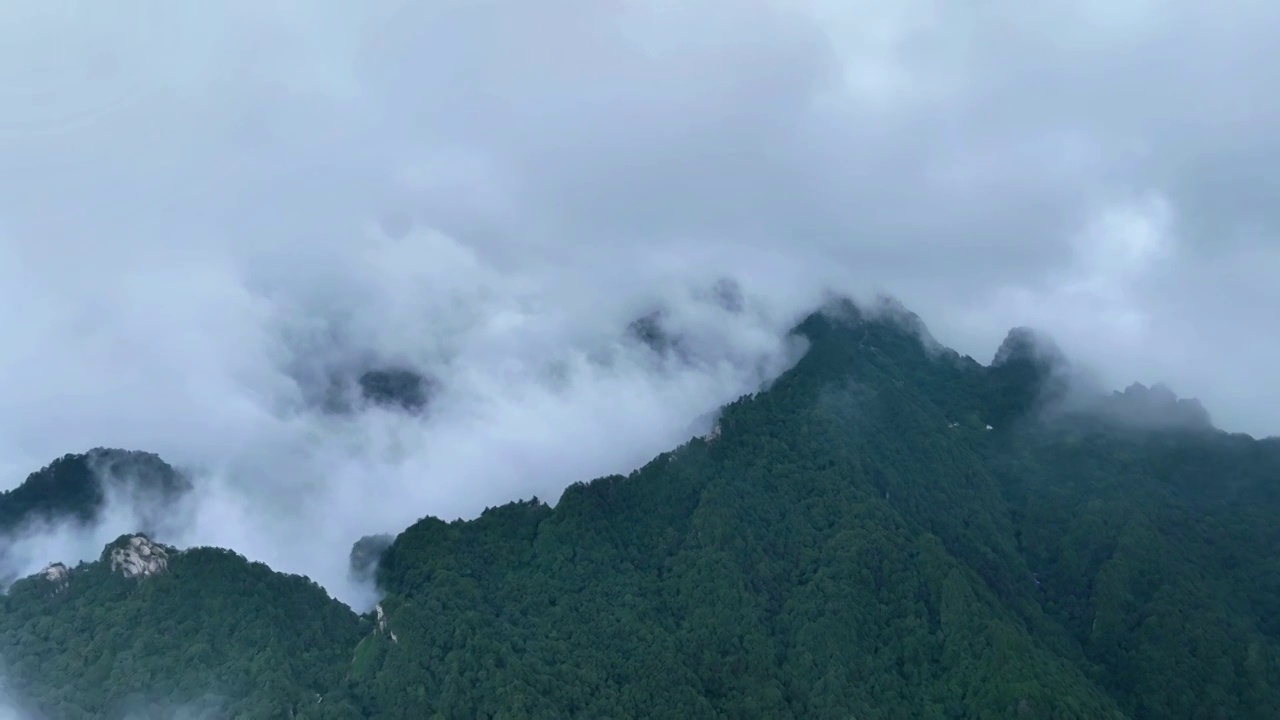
[889, 530]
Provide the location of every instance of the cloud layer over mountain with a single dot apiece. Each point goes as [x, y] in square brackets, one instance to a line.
[209, 214]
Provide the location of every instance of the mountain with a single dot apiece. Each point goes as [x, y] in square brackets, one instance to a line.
[889, 530]
[75, 487]
[352, 386]
[150, 631]
[396, 386]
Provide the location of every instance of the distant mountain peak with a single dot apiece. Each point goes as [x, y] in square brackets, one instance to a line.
[728, 295]
[58, 575]
[650, 330]
[883, 529]
[1157, 406]
[396, 386]
[1026, 344]
[891, 309]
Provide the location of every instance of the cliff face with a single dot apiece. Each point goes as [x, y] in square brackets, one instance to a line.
[57, 575]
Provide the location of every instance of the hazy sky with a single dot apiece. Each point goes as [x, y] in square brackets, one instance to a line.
[205, 206]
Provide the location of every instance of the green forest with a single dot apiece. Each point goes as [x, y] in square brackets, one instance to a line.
[887, 531]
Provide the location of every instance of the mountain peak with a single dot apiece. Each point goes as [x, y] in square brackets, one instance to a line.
[1026, 344]
[76, 487]
[366, 553]
[1157, 406]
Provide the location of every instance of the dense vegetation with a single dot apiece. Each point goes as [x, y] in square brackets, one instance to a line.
[75, 487]
[75, 490]
[888, 531]
[214, 635]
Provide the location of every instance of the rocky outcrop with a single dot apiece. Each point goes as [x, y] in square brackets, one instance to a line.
[57, 575]
[1028, 345]
[382, 623]
[348, 390]
[76, 487]
[649, 330]
[139, 557]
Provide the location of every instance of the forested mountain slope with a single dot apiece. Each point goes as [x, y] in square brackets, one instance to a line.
[75, 487]
[889, 530]
[75, 491]
[147, 631]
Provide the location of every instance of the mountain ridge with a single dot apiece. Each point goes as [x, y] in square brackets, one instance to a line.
[75, 486]
[889, 529]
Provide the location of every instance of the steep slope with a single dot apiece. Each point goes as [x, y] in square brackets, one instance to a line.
[1156, 551]
[837, 549]
[890, 530]
[1153, 540]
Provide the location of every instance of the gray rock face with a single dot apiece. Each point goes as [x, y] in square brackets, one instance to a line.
[58, 575]
[140, 558]
[382, 623]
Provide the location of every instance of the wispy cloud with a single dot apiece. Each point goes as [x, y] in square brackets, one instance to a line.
[204, 211]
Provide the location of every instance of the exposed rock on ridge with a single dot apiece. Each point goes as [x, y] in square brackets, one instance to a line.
[139, 558]
[58, 575]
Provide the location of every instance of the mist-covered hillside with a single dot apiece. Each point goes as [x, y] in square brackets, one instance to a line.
[77, 491]
[887, 530]
[75, 487]
[337, 289]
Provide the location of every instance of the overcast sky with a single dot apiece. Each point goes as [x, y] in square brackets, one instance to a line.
[202, 205]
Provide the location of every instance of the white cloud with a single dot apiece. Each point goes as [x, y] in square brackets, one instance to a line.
[205, 210]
